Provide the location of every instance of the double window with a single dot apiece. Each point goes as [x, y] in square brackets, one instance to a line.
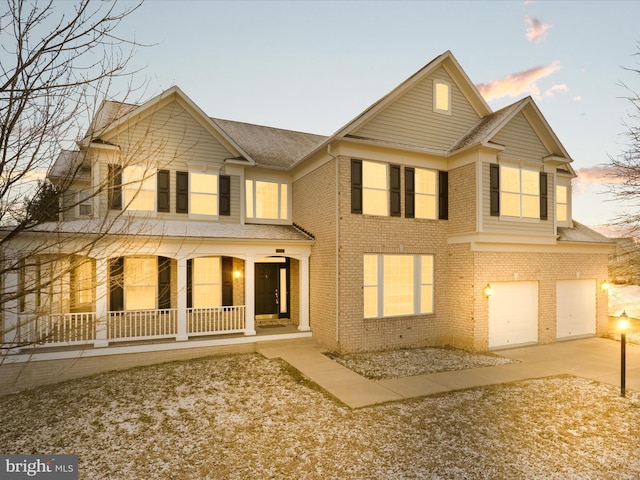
[518, 193]
[398, 285]
[376, 190]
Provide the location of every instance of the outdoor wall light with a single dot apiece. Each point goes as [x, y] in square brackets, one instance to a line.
[604, 285]
[623, 325]
[237, 274]
[487, 291]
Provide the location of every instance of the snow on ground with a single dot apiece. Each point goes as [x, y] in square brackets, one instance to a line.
[244, 416]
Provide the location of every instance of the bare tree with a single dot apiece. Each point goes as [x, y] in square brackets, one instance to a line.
[625, 168]
[58, 60]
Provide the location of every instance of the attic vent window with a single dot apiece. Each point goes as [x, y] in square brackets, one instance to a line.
[441, 96]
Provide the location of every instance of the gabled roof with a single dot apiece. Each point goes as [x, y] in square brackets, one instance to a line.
[446, 60]
[490, 125]
[131, 113]
[268, 146]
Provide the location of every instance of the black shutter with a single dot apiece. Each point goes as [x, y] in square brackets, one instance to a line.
[225, 195]
[115, 187]
[189, 283]
[394, 190]
[409, 192]
[443, 195]
[164, 283]
[227, 281]
[356, 186]
[494, 186]
[116, 284]
[182, 192]
[163, 191]
[543, 196]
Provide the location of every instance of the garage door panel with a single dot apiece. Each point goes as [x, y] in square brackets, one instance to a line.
[575, 308]
[513, 313]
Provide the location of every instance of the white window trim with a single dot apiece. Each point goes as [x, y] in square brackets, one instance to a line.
[126, 186]
[203, 216]
[417, 286]
[562, 182]
[386, 190]
[437, 82]
[520, 218]
[254, 219]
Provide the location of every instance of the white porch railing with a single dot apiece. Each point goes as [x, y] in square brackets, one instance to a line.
[57, 329]
[142, 324]
[80, 328]
[216, 320]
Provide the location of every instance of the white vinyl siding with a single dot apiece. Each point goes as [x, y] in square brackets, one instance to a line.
[411, 118]
[521, 141]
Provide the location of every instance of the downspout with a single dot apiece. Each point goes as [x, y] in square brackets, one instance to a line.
[337, 220]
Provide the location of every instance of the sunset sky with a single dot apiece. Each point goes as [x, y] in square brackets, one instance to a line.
[314, 66]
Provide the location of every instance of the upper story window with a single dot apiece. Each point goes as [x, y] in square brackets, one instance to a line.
[375, 188]
[85, 204]
[139, 188]
[561, 203]
[425, 193]
[203, 196]
[266, 200]
[519, 192]
[441, 96]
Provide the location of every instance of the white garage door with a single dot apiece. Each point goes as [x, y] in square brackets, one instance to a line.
[576, 308]
[513, 313]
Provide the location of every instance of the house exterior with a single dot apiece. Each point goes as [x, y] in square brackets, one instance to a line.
[428, 219]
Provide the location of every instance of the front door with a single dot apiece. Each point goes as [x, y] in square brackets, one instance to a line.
[267, 282]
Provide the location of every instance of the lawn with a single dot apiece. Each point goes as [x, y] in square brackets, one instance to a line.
[243, 416]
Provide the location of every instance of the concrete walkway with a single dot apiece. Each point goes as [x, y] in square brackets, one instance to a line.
[592, 358]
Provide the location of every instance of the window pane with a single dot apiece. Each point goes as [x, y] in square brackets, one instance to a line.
[426, 299]
[83, 288]
[374, 175]
[206, 270]
[370, 269]
[207, 282]
[204, 204]
[530, 206]
[426, 275]
[425, 181]
[204, 183]
[140, 279]
[370, 302]
[248, 185]
[425, 206]
[398, 285]
[442, 96]
[561, 213]
[141, 298]
[206, 296]
[283, 202]
[266, 200]
[530, 182]
[510, 204]
[561, 194]
[375, 202]
[139, 188]
[510, 179]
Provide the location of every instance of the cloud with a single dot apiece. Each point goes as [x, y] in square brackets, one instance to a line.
[594, 177]
[551, 92]
[577, 98]
[516, 84]
[536, 30]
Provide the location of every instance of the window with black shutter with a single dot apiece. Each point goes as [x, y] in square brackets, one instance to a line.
[409, 192]
[182, 192]
[394, 190]
[356, 186]
[225, 195]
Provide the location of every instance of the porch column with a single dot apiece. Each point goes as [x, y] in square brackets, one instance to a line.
[304, 295]
[183, 331]
[102, 309]
[250, 295]
[10, 315]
